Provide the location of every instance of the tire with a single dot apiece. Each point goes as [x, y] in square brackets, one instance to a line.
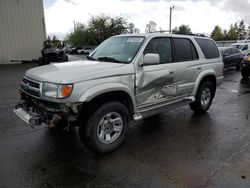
[40, 61]
[101, 134]
[203, 98]
[244, 74]
[65, 58]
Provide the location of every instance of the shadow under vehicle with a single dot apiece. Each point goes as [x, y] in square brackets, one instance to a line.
[53, 51]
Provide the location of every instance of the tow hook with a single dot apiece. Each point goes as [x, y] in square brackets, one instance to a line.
[35, 121]
[55, 120]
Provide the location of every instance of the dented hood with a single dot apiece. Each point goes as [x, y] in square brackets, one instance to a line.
[74, 71]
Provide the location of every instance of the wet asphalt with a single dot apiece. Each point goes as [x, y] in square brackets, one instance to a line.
[175, 149]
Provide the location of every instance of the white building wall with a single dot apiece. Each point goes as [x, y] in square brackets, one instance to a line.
[22, 30]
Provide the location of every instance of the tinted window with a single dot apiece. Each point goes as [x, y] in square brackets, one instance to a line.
[228, 51]
[234, 51]
[245, 48]
[184, 50]
[238, 46]
[208, 48]
[161, 46]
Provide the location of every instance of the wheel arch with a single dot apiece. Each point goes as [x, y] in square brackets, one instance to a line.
[205, 76]
[100, 94]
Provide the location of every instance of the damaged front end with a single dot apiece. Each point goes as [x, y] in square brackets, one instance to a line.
[36, 111]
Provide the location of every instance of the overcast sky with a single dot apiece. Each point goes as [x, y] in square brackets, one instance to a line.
[200, 15]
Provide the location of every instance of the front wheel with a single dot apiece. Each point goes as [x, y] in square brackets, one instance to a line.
[203, 98]
[106, 128]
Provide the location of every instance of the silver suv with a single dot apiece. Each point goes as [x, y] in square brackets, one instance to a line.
[127, 77]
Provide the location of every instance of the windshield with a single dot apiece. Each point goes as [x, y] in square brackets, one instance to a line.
[238, 46]
[118, 49]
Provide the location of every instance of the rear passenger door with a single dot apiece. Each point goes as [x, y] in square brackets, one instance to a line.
[186, 63]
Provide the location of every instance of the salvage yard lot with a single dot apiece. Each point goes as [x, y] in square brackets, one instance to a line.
[175, 149]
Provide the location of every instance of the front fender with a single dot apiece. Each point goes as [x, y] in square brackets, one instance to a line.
[103, 88]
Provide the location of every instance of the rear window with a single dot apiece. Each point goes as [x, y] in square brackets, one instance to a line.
[208, 48]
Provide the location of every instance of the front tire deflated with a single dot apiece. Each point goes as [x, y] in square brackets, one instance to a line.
[106, 128]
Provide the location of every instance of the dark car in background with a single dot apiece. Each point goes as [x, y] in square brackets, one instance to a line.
[232, 57]
[245, 68]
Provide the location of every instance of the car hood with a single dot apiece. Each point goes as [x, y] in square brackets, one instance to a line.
[76, 71]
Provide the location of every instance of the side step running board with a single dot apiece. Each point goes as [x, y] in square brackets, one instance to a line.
[152, 110]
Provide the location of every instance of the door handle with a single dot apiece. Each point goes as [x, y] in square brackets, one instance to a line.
[198, 68]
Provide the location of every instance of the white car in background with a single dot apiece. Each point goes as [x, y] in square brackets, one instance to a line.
[84, 51]
[243, 47]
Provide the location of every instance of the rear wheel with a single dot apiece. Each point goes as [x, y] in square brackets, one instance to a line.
[203, 98]
[106, 128]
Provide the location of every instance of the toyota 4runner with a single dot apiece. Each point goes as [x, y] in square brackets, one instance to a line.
[127, 77]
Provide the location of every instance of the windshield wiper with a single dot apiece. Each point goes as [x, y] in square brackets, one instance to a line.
[90, 58]
[109, 59]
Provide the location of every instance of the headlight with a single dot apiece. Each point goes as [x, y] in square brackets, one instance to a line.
[56, 90]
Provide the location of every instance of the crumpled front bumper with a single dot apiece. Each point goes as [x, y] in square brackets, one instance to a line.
[22, 114]
[28, 114]
[35, 111]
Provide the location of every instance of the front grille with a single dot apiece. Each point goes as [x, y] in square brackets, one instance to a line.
[31, 87]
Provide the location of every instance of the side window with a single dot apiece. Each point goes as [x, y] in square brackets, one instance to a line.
[208, 48]
[228, 52]
[161, 46]
[245, 48]
[184, 50]
[234, 51]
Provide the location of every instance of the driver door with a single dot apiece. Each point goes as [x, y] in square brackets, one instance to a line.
[156, 83]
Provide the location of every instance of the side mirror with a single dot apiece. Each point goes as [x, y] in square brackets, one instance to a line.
[226, 54]
[151, 59]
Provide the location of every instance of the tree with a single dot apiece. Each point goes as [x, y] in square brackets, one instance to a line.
[104, 27]
[97, 30]
[132, 28]
[242, 30]
[78, 37]
[232, 33]
[183, 29]
[217, 34]
[150, 27]
[248, 34]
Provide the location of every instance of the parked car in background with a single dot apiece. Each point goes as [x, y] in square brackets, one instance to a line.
[74, 50]
[232, 57]
[245, 68]
[84, 51]
[243, 47]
